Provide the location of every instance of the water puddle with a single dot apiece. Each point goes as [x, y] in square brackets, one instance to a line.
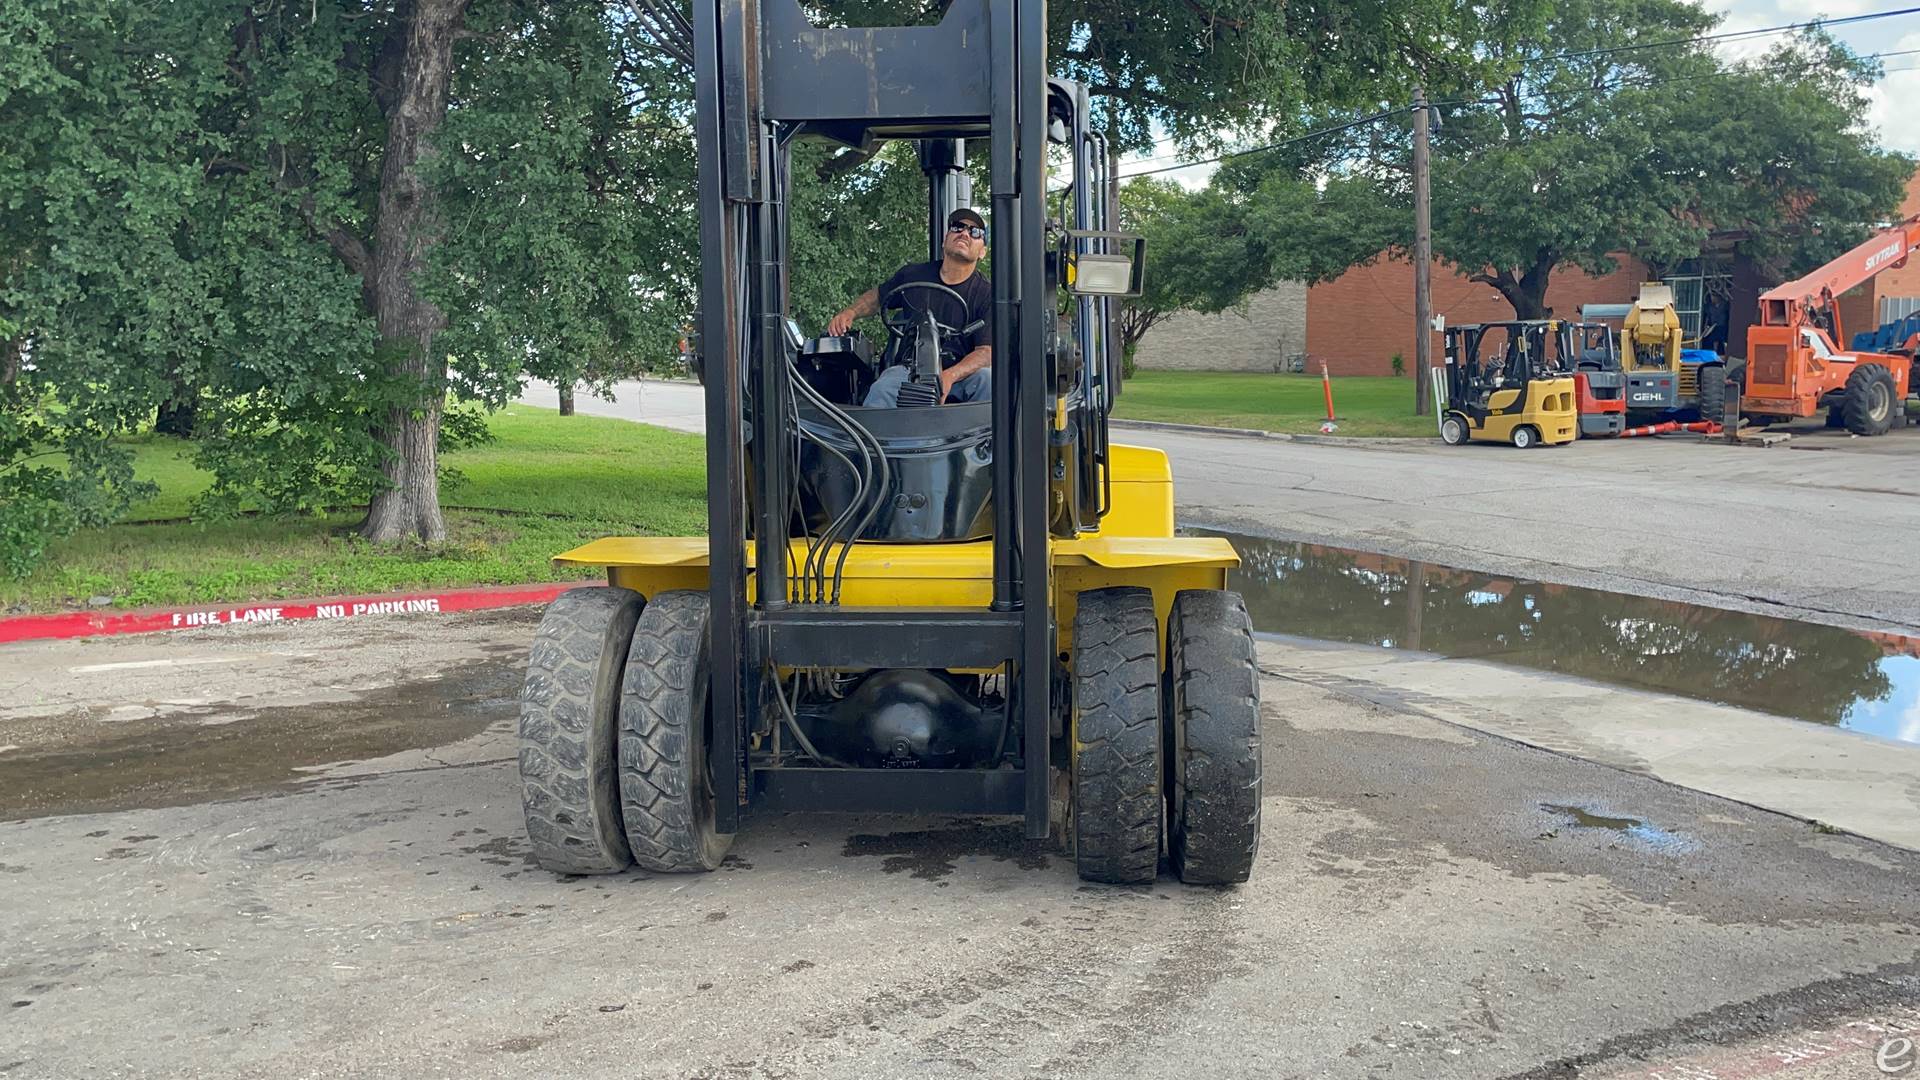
[1635, 832]
[193, 758]
[1824, 674]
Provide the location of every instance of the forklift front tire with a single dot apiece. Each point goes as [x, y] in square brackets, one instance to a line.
[1453, 431]
[567, 721]
[1116, 737]
[1213, 738]
[666, 791]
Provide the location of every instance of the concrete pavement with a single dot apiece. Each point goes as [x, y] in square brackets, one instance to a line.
[291, 851]
[676, 405]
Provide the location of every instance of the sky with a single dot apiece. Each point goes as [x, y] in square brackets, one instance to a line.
[1894, 111]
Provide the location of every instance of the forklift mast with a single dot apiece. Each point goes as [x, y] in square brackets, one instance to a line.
[765, 75]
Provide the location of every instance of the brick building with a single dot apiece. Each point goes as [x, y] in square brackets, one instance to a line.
[1358, 321]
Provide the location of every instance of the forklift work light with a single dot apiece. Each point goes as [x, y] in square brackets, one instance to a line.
[1108, 273]
[1102, 275]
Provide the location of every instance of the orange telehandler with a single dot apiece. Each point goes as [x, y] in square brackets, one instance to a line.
[1793, 367]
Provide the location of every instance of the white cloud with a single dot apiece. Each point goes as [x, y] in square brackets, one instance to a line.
[1891, 111]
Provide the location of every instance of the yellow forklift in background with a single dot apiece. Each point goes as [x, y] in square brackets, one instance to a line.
[1505, 382]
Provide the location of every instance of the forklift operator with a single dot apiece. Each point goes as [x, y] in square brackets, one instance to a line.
[967, 376]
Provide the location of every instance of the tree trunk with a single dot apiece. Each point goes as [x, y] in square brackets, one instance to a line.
[10, 353]
[176, 417]
[1526, 292]
[406, 227]
[1527, 305]
[566, 399]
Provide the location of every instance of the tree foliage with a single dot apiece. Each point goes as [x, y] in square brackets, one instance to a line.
[1599, 137]
[321, 222]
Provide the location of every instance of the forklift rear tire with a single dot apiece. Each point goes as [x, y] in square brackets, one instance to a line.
[1116, 737]
[1453, 431]
[1869, 400]
[1213, 738]
[568, 715]
[1525, 437]
[666, 790]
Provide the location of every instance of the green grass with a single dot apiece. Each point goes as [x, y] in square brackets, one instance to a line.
[1365, 405]
[545, 485]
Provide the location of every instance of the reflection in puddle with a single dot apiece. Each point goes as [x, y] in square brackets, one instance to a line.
[1862, 682]
[1640, 833]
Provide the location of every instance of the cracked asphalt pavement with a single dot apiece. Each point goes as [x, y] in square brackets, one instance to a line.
[296, 850]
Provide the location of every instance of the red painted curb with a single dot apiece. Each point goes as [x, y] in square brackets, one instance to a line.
[73, 624]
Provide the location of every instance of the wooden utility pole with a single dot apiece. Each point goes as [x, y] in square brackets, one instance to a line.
[1422, 257]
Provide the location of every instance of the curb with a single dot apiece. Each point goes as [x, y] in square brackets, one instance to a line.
[75, 624]
[1200, 429]
[1278, 436]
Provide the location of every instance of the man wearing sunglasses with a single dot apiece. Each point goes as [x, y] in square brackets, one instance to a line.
[966, 368]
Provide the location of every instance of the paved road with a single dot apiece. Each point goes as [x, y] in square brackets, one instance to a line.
[676, 405]
[296, 850]
[1822, 535]
[1825, 530]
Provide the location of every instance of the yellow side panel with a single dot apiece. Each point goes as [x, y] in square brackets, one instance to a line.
[940, 575]
[1502, 399]
[1142, 493]
[1135, 546]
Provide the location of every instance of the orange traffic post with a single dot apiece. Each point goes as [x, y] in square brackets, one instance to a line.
[1327, 427]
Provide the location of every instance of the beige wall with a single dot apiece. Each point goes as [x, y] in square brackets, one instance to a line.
[1273, 327]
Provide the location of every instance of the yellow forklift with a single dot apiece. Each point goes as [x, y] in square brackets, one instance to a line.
[1506, 382]
[973, 609]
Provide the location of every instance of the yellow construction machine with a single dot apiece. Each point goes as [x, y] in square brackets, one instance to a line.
[1650, 340]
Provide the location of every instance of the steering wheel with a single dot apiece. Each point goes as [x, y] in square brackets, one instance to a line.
[899, 325]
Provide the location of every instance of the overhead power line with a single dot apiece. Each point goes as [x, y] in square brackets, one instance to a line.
[1350, 125]
[1730, 35]
[1470, 102]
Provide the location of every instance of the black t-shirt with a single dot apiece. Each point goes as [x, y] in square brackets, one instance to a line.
[977, 290]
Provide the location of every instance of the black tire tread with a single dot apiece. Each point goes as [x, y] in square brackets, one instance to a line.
[1859, 402]
[1213, 696]
[568, 789]
[1710, 392]
[1116, 736]
[669, 827]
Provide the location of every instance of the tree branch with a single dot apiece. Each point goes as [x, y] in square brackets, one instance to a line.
[666, 29]
[1214, 17]
[347, 247]
[844, 162]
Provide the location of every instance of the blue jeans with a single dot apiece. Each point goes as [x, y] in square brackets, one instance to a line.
[885, 392]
